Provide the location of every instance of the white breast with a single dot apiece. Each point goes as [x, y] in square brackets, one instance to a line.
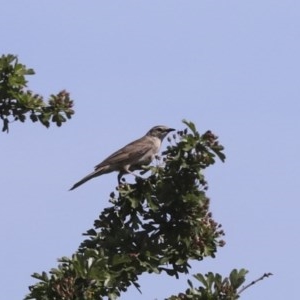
[153, 150]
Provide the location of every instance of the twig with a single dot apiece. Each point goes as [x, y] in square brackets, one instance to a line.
[254, 281]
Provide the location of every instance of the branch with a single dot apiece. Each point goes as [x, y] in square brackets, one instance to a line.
[254, 282]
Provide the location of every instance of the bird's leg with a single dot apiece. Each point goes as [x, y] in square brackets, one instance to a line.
[120, 176]
[126, 170]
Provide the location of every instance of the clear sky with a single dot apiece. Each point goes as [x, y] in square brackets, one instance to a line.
[229, 66]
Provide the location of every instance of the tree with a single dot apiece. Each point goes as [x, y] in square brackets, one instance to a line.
[17, 102]
[157, 224]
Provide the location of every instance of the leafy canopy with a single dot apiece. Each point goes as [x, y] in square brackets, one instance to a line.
[157, 224]
[17, 102]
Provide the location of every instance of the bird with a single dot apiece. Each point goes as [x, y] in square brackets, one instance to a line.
[131, 157]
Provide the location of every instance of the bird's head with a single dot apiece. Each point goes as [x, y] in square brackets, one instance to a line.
[159, 131]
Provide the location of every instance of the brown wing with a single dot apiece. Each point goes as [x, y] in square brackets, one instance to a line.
[129, 154]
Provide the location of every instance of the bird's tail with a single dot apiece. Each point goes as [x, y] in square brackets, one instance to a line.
[85, 179]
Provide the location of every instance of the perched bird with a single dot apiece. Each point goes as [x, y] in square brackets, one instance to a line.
[132, 156]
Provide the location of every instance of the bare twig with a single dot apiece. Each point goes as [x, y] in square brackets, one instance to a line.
[253, 282]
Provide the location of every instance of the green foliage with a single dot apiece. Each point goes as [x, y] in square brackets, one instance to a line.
[214, 287]
[16, 102]
[157, 224]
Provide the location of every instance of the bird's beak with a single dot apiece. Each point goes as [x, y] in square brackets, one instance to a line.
[171, 129]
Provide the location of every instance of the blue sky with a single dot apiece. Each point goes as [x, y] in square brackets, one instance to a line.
[229, 66]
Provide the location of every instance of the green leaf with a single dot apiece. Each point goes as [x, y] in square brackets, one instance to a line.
[237, 278]
[202, 279]
[190, 125]
[190, 284]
